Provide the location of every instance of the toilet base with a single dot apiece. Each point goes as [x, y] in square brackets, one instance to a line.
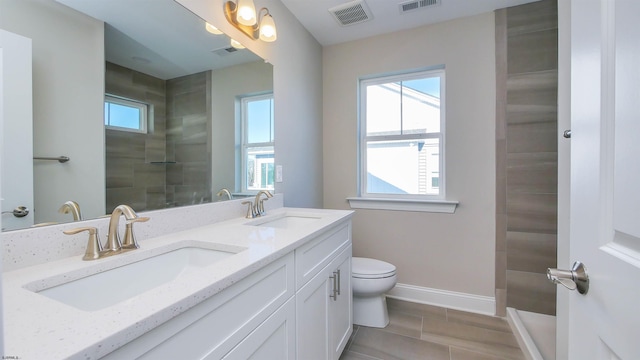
[370, 311]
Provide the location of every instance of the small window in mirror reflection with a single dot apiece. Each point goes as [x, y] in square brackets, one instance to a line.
[125, 114]
[258, 142]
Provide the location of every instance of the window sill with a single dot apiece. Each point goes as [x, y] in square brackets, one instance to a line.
[434, 206]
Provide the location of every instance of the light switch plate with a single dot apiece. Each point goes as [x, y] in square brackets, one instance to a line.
[279, 173]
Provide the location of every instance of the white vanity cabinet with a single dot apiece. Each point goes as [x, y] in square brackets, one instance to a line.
[324, 302]
[297, 307]
[211, 329]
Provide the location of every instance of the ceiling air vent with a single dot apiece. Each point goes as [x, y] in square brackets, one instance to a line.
[351, 13]
[224, 51]
[416, 4]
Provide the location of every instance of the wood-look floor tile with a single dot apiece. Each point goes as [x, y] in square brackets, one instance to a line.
[395, 305]
[478, 320]
[349, 355]
[462, 354]
[384, 345]
[404, 324]
[470, 337]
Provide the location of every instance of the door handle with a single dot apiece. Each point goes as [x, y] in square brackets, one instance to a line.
[576, 278]
[20, 211]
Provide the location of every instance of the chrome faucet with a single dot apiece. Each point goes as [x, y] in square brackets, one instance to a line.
[225, 191]
[73, 208]
[258, 204]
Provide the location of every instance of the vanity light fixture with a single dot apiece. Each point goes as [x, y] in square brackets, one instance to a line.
[236, 44]
[212, 29]
[242, 15]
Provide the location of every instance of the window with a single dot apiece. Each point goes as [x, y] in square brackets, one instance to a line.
[257, 142]
[401, 144]
[124, 114]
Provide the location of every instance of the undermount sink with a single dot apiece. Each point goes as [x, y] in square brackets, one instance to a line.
[107, 288]
[284, 221]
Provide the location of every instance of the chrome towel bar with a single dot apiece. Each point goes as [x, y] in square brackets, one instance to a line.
[61, 159]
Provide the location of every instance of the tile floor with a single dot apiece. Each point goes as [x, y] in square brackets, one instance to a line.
[418, 331]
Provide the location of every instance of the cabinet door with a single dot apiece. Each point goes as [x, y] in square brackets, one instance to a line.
[341, 309]
[312, 317]
[273, 339]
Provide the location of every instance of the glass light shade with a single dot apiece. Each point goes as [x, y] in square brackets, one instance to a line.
[268, 29]
[236, 44]
[212, 29]
[246, 12]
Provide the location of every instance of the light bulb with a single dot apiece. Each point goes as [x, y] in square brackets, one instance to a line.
[212, 29]
[268, 29]
[246, 12]
[236, 44]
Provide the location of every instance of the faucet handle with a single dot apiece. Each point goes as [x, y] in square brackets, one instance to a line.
[94, 247]
[129, 242]
[250, 209]
[260, 205]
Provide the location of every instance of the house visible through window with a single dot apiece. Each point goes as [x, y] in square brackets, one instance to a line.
[401, 135]
[257, 142]
[125, 114]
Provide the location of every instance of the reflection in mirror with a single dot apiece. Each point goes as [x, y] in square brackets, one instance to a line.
[183, 88]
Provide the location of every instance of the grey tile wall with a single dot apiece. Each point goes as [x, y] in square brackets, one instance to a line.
[526, 150]
[131, 178]
[189, 139]
[178, 131]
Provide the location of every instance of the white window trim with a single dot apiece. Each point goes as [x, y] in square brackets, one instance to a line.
[244, 139]
[396, 202]
[144, 113]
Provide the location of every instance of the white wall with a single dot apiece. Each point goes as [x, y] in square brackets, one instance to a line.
[440, 251]
[297, 81]
[68, 88]
[226, 85]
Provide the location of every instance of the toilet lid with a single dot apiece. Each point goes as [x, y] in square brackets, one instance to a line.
[371, 268]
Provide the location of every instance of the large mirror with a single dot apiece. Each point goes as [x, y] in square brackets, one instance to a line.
[204, 111]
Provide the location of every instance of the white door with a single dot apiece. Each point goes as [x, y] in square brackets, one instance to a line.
[605, 178]
[17, 125]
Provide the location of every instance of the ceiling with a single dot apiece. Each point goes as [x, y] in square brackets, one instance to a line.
[137, 37]
[314, 15]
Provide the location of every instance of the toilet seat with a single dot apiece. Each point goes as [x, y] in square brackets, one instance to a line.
[365, 268]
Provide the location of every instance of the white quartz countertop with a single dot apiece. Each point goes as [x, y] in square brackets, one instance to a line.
[37, 327]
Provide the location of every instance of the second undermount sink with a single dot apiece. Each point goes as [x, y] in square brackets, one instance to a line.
[286, 220]
[107, 288]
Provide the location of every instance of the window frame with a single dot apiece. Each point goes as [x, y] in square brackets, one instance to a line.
[364, 139]
[243, 102]
[142, 106]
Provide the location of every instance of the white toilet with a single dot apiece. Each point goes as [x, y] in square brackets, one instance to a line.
[371, 278]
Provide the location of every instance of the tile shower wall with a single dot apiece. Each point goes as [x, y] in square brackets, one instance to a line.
[131, 176]
[171, 164]
[526, 150]
[189, 139]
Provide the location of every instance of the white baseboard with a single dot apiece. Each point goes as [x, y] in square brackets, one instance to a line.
[449, 299]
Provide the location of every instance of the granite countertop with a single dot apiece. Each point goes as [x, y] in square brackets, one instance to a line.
[37, 327]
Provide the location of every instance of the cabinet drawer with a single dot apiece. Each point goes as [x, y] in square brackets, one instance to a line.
[317, 253]
[216, 325]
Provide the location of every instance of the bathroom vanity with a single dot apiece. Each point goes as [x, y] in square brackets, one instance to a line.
[274, 287]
